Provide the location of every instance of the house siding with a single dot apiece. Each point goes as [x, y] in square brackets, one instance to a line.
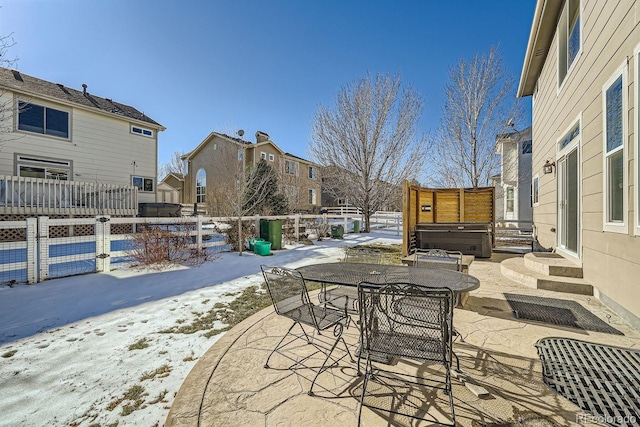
[611, 261]
[219, 164]
[101, 148]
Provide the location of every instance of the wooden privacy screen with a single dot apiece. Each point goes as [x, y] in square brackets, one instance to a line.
[445, 205]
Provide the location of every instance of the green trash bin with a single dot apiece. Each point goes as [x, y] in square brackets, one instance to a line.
[262, 248]
[271, 231]
[252, 242]
[356, 226]
[337, 231]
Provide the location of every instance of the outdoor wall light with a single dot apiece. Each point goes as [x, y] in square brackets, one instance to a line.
[548, 167]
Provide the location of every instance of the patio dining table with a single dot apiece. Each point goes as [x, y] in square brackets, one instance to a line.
[350, 274]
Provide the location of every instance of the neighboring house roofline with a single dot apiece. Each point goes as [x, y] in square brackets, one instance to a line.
[24, 84]
[178, 176]
[543, 29]
[190, 155]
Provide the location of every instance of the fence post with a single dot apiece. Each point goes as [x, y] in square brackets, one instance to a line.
[296, 224]
[199, 233]
[32, 249]
[43, 247]
[256, 225]
[346, 217]
[103, 243]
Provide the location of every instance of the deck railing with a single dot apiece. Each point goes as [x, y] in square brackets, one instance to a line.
[23, 195]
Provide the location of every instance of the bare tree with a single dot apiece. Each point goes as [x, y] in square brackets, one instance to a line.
[239, 188]
[174, 165]
[6, 102]
[480, 104]
[370, 141]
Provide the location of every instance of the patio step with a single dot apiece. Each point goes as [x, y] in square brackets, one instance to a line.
[516, 269]
[551, 264]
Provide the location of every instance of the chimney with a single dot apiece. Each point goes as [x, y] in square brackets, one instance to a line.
[261, 136]
[84, 89]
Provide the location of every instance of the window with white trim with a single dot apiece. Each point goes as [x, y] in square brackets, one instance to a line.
[38, 167]
[313, 172]
[271, 157]
[263, 155]
[143, 184]
[569, 40]
[312, 196]
[510, 199]
[614, 107]
[240, 154]
[201, 186]
[290, 167]
[535, 189]
[43, 120]
[142, 131]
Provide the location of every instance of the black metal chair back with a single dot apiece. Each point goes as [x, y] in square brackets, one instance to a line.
[289, 294]
[438, 258]
[406, 321]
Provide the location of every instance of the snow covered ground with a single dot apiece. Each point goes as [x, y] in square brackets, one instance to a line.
[65, 343]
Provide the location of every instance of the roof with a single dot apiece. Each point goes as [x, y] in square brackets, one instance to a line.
[22, 83]
[206, 141]
[543, 29]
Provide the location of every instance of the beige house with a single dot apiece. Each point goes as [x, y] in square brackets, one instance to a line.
[68, 151]
[582, 70]
[213, 166]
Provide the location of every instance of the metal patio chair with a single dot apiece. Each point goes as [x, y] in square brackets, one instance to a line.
[346, 297]
[290, 298]
[405, 321]
[438, 258]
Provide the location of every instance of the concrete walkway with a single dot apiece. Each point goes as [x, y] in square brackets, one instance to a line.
[229, 385]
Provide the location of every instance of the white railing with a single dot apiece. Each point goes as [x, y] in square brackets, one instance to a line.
[23, 195]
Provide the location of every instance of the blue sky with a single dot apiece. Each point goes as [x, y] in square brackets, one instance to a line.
[196, 66]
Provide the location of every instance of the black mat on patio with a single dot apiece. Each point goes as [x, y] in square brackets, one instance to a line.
[557, 312]
[604, 381]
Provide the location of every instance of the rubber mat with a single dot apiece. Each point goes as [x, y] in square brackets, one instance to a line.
[604, 381]
[557, 312]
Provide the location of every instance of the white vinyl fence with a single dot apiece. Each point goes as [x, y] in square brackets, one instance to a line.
[42, 248]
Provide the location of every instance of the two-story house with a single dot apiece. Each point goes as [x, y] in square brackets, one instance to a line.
[67, 151]
[582, 70]
[220, 158]
[513, 185]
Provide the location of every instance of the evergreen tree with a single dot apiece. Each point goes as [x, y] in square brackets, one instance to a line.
[274, 202]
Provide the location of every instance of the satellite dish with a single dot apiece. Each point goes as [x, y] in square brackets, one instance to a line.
[240, 133]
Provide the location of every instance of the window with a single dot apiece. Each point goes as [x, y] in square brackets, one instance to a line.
[613, 146]
[312, 196]
[240, 154]
[201, 186]
[526, 147]
[535, 190]
[571, 135]
[142, 131]
[568, 38]
[263, 155]
[35, 167]
[510, 199]
[271, 157]
[43, 120]
[290, 167]
[143, 184]
[313, 173]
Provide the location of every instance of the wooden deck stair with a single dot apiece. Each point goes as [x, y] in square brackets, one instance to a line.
[548, 271]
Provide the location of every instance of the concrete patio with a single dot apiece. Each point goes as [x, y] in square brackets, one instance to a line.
[229, 385]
